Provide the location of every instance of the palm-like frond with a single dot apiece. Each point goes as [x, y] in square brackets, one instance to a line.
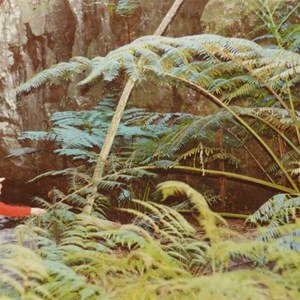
[61, 71]
[181, 58]
[205, 62]
[286, 159]
[281, 206]
[279, 210]
[207, 218]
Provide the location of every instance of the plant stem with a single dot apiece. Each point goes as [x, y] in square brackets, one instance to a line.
[274, 28]
[232, 215]
[201, 171]
[287, 17]
[112, 130]
[293, 114]
[252, 155]
[206, 93]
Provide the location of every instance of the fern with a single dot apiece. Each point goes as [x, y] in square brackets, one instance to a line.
[96, 258]
[161, 255]
[239, 54]
[207, 47]
[62, 71]
[22, 273]
[208, 60]
[281, 209]
[209, 218]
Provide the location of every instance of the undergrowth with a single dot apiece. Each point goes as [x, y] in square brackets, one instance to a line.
[134, 245]
[157, 255]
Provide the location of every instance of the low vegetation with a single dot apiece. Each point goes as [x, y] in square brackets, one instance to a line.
[149, 237]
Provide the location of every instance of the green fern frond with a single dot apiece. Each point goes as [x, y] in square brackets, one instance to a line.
[180, 143]
[38, 136]
[22, 270]
[281, 209]
[68, 171]
[279, 205]
[60, 71]
[98, 67]
[207, 218]
[286, 159]
[155, 55]
[290, 241]
[163, 212]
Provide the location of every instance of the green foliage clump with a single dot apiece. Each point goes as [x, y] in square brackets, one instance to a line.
[159, 255]
[134, 247]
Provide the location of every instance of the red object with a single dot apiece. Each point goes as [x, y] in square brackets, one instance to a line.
[14, 211]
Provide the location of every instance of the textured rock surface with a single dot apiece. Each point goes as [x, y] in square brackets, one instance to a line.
[35, 34]
[229, 18]
[233, 17]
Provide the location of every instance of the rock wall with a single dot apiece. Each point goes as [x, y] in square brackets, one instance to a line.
[35, 34]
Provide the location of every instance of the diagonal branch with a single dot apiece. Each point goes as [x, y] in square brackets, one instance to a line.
[112, 130]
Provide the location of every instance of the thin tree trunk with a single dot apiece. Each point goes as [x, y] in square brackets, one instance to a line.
[112, 130]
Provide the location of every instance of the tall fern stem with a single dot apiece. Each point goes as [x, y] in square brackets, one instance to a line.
[293, 114]
[202, 172]
[241, 121]
[253, 156]
[112, 130]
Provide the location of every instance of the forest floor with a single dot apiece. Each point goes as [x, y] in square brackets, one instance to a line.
[242, 231]
[7, 226]
[240, 226]
[249, 231]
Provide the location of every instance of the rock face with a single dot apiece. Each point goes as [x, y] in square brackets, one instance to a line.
[35, 34]
[229, 18]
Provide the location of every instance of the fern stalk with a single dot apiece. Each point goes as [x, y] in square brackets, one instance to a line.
[202, 172]
[112, 130]
[70, 195]
[233, 216]
[243, 122]
[274, 28]
[252, 155]
[293, 115]
[283, 136]
[288, 16]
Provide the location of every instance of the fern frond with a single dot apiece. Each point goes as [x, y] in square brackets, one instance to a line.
[278, 205]
[69, 171]
[162, 55]
[207, 218]
[38, 136]
[60, 71]
[22, 269]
